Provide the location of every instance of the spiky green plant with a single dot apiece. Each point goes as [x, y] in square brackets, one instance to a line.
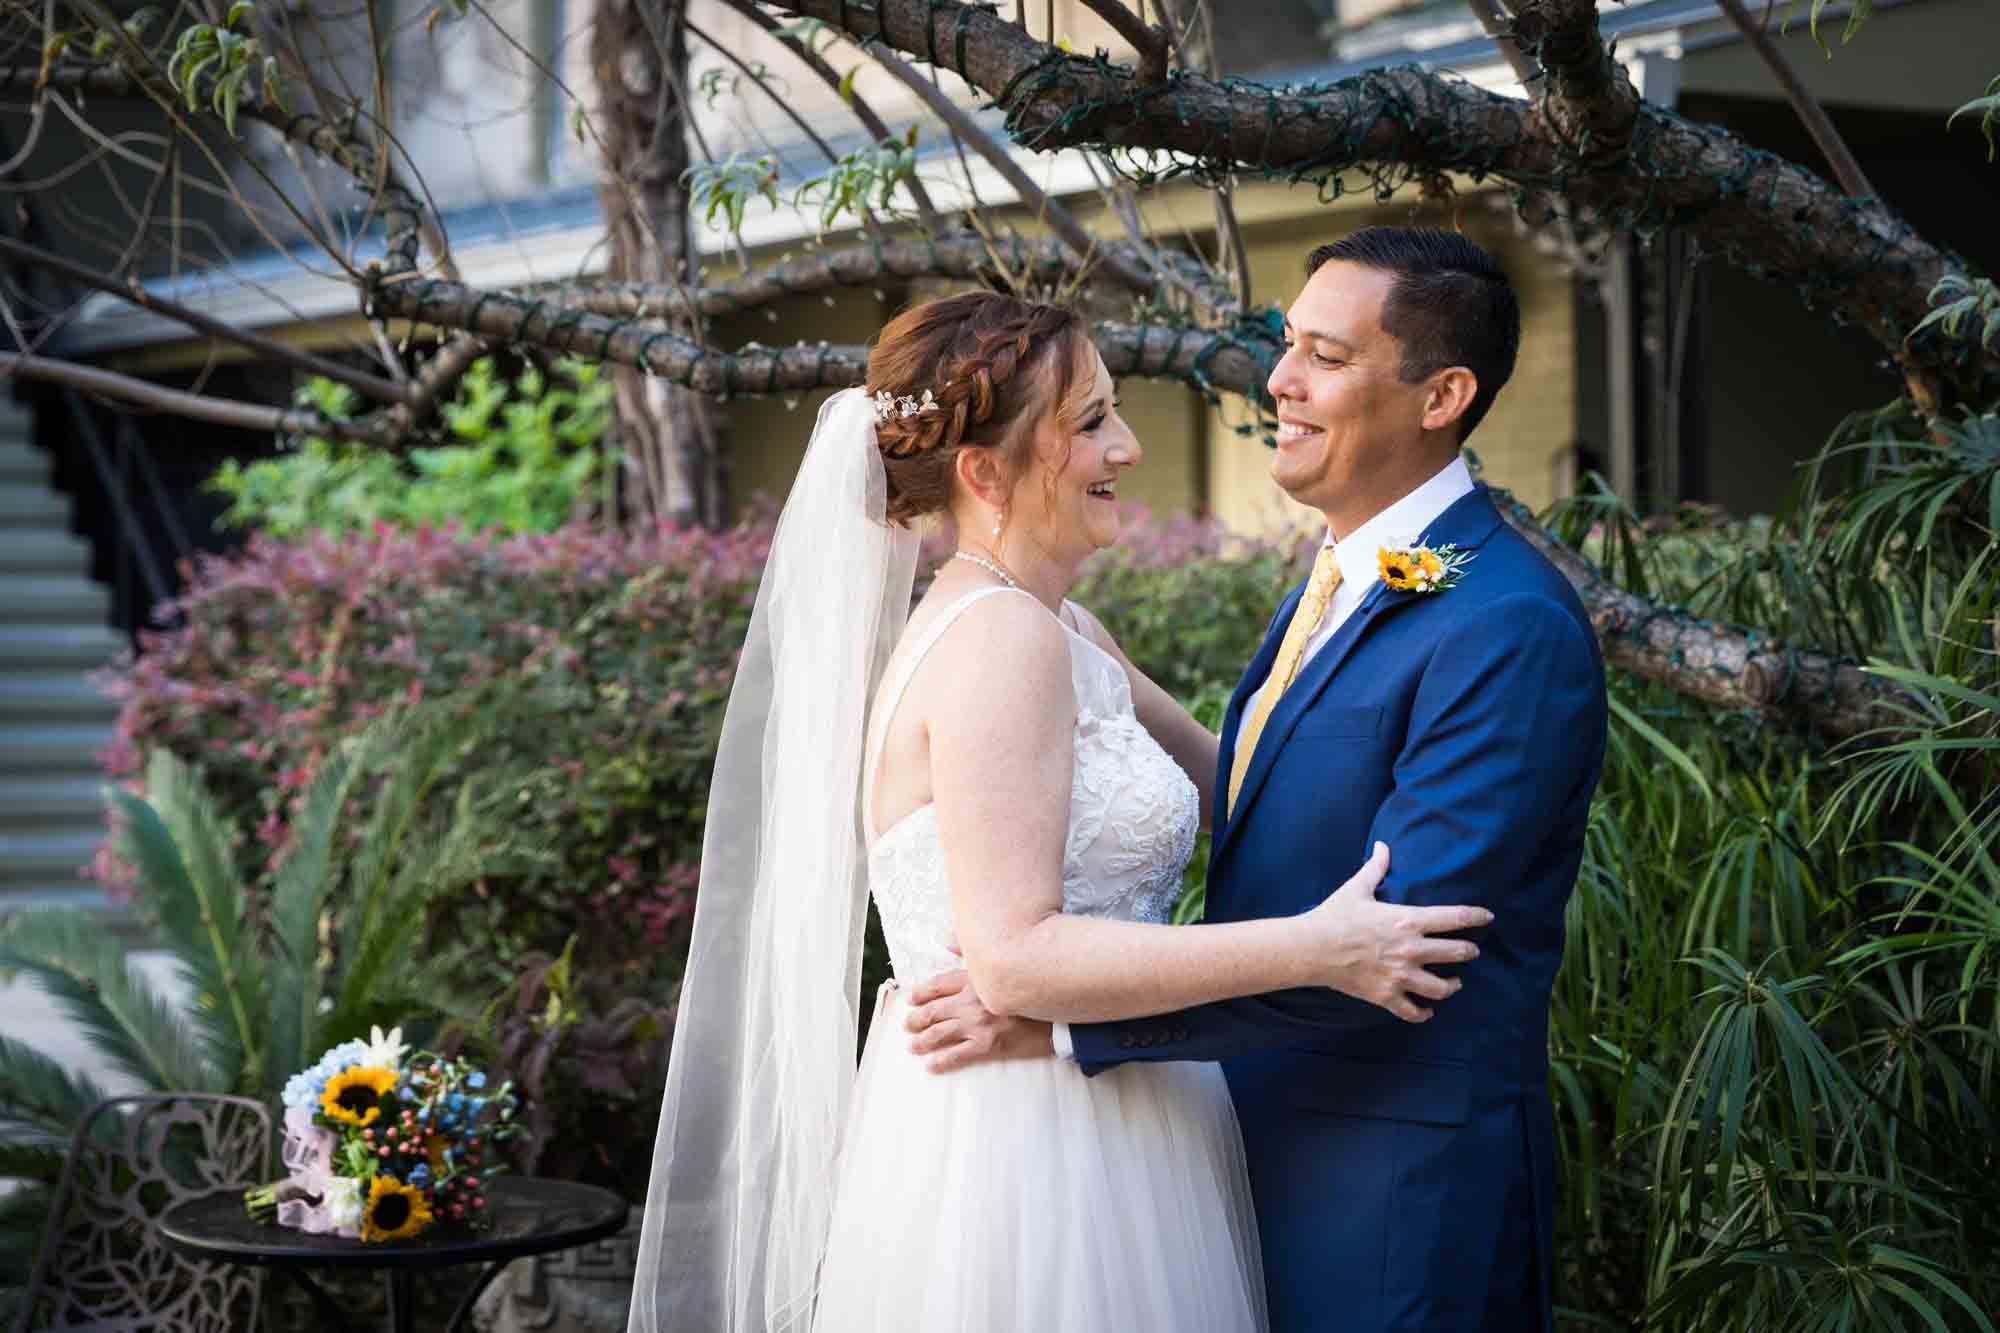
[1777, 1029]
[341, 947]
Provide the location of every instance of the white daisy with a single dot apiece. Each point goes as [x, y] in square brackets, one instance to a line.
[387, 1050]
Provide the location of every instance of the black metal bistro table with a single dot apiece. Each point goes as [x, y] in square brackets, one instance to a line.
[529, 1216]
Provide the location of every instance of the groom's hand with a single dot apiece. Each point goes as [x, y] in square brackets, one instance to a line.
[953, 1029]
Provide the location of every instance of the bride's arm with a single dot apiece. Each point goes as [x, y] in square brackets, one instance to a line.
[1192, 746]
[1000, 711]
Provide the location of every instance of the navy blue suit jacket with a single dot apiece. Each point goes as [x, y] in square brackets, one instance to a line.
[1404, 1173]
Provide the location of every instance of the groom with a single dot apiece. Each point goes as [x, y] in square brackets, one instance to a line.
[1433, 685]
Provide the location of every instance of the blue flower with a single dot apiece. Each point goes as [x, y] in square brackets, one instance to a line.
[475, 1080]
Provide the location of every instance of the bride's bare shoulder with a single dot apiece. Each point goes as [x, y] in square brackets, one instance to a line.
[1005, 649]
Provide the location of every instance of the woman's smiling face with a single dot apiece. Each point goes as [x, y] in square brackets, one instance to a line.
[1067, 501]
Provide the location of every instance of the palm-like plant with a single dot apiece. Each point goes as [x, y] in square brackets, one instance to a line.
[338, 947]
[1777, 1032]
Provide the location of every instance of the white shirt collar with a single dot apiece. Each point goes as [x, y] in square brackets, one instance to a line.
[1402, 522]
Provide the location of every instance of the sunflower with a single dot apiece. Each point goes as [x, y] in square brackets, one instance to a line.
[1405, 568]
[353, 1096]
[393, 1211]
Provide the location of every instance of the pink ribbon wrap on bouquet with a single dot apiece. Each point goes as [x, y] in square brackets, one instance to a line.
[308, 1154]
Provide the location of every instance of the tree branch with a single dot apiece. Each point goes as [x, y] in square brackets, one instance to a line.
[434, 380]
[1586, 103]
[863, 112]
[1236, 358]
[805, 126]
[1725, 665]
[1498, 27]
[1151, 43]
[1195, 49]
[1058, 218]
[195, 406]
[1831, 146]
[1855, 257]
[404, 215]
[962, 255]
[372, 385]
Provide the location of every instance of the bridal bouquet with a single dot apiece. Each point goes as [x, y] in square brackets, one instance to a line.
[382, 1142]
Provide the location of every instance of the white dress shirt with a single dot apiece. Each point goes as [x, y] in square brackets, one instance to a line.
[1401, 524]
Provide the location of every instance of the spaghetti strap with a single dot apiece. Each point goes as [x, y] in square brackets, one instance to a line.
[892, 694]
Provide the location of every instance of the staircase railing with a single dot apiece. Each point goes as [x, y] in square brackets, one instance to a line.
[109, 440]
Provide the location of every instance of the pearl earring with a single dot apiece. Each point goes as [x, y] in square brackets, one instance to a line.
[998, 519]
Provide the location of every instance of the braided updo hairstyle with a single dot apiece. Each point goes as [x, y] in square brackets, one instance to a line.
[994, 364]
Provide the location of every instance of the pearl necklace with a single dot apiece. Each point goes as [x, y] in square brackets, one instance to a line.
[988, 566]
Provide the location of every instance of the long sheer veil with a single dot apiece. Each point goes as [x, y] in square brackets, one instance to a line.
[763, 1057]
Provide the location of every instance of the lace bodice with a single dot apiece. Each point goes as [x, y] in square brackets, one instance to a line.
[1133, 815]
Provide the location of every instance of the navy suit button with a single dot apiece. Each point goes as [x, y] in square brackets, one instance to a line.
[1125, 1043]
[1180, 1034]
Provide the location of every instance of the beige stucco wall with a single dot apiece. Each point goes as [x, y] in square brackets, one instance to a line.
[1195, 459]
[1934, 56]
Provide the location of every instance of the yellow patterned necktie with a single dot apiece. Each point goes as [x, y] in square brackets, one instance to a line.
[1305, 619]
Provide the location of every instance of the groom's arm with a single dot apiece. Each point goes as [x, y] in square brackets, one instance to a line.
[1506, 726]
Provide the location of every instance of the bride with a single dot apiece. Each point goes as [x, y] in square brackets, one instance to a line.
[985, 773]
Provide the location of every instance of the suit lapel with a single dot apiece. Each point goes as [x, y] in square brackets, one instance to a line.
[1466, 524]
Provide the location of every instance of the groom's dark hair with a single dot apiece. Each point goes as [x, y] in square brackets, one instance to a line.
[1450, 305]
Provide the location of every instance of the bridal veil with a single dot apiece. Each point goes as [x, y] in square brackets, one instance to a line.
[763, 1057]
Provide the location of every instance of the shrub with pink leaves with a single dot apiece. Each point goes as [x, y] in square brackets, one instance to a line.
[1188, 600]
[620, 647]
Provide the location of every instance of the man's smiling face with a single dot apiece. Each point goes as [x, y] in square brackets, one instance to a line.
[1350, 431]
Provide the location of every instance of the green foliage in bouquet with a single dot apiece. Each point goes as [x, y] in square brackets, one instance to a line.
[383, 1142]
[522, 457]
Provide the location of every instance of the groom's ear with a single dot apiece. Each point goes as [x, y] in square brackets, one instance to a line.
[1450, 393]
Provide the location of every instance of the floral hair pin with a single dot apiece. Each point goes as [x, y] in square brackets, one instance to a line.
[887, 405]
[1422, 568]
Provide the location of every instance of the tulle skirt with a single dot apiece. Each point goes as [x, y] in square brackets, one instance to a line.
[1021, 1196]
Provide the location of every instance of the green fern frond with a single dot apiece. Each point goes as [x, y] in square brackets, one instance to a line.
[35, 1090]
[298, 899]
[24, 1214]
[476, 844]
[180, 843]
[38, 1161]
[425, 743]
[85, 971]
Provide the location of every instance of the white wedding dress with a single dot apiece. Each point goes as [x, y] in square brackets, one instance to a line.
[1021, 1196]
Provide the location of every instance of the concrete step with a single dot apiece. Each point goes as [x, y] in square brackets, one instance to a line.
[52, 802]
[66, 696]
[39, 857]
[83, 893]
[21, 462]
[23, 505]
[42, 551]
[68, 749]
[27, 648]
[53, 599]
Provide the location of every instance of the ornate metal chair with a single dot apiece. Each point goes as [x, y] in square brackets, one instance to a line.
[101, 1266]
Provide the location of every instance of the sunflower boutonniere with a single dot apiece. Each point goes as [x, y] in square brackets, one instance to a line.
[1416, 568]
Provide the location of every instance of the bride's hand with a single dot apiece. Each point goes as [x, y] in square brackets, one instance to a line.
[1380, 952]
[951, 1029]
